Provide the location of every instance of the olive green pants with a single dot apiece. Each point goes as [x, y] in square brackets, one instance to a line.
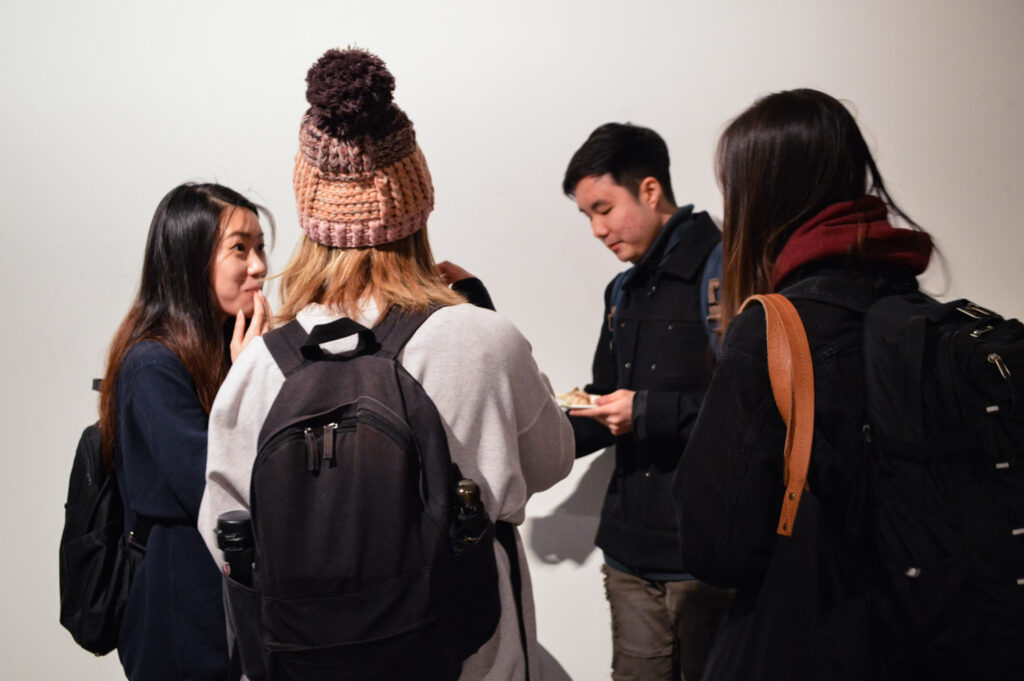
[662, 631]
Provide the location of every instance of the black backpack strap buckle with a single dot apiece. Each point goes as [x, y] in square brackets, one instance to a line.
[975, 311]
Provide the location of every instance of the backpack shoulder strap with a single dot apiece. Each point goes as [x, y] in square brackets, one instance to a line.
[90, 447]
[284, 344]
[710, 285]
[397, 327]
[505, 533]
[615, 303]
[792, 377]
[391, 333]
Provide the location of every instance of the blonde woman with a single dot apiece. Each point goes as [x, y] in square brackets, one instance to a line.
[363, 194]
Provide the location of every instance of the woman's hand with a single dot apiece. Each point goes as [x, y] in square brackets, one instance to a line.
[258, 326]
[451, 273]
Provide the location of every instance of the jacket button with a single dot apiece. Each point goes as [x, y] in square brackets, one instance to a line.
[648, 474]
[669, 327]
[653, 367]
[628, 364]
[622, 325]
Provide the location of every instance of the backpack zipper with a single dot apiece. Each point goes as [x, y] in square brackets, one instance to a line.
[326, 438]
[1004, 370]
[397, 435]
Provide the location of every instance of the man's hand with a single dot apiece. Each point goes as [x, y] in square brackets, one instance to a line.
[614, 410]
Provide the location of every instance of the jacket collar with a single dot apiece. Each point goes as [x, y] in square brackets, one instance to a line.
[701, 235]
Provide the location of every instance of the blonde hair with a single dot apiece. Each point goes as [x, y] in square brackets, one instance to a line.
[397, 274]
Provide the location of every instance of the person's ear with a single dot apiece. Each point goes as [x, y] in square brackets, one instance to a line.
[649, 192]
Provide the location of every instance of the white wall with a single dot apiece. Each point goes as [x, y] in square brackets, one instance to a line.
[106, 106]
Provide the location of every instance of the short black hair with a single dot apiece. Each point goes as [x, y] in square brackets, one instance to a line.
[627, 152]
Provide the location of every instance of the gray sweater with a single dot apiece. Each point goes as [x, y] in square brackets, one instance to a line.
[503, 426]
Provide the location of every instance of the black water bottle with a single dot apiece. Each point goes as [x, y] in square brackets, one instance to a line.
[470, 521]
[234, 538]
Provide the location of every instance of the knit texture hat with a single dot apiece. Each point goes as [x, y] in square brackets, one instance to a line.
[360, 178]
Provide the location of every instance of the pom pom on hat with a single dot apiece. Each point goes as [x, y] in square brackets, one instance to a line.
[360, 178]
[350, 94]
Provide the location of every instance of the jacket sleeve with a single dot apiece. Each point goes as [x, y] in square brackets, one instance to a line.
[161, 432]
[664, 416]
[590, 436]
[475, 292]
[728, 488]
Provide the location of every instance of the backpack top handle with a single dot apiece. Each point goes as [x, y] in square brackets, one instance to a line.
[336, 330]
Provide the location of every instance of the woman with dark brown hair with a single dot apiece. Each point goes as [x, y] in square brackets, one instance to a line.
[806, 214]
[203, 271]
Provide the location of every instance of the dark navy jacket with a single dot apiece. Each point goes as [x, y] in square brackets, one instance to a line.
[659, 348]
[173, 625]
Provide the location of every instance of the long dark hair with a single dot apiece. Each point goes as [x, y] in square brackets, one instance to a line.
[780, 163]
[175, 304]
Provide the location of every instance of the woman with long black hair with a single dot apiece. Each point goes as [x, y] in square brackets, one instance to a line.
[806, 214]
[203, 272]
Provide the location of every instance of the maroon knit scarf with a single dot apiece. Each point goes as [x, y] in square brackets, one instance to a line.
[836, 231]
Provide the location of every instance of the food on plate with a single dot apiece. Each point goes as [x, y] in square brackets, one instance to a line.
[574, 399]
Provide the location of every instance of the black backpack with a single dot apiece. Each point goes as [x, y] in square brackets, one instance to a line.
[945, 401]
[945, 430]
[355, 576]
[97, 562]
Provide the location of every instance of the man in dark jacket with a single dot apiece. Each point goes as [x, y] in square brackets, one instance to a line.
[652, 365]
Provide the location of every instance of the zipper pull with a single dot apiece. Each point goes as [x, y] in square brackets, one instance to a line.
[1004, 370]
[329, 443]
[312, 453]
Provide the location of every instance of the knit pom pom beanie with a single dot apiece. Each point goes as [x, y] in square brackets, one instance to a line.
[360, 179]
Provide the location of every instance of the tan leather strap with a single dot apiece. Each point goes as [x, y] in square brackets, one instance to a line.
[792, 377]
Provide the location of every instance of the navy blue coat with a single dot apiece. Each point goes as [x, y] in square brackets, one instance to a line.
[173, 626]
[658, 348]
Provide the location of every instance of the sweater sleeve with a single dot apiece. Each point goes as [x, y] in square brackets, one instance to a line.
[161, 434]
[728, 488]
[504, 428]
[237, 416]
[546, 438]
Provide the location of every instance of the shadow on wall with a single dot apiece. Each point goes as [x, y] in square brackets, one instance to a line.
[568, 533]
[550, 669]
